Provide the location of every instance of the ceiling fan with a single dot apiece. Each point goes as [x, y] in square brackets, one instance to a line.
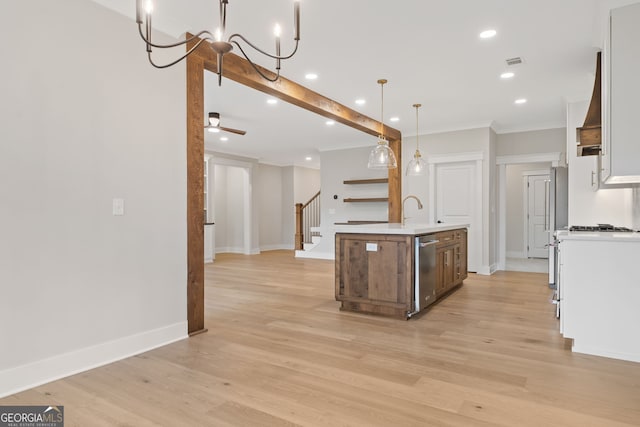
[214, 125]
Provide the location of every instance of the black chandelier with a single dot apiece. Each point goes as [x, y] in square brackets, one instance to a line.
[216, 41]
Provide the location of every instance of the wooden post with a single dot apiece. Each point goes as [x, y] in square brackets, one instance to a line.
[195, 195]
[395, 183]
[299, 238]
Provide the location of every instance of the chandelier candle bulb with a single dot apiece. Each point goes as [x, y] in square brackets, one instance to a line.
[138, 11]
[148, 32]
[277, 30]
[296, 14]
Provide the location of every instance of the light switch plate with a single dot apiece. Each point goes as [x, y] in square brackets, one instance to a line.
[118, 207]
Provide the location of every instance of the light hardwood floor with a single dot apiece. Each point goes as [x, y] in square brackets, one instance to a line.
[279, 352]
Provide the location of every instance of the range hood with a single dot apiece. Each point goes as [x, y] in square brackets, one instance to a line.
[589, 136]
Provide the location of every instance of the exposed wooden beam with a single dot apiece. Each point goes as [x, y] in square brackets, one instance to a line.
[238, 69]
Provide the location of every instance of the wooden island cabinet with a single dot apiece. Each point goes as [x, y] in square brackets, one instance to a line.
[376, 264]
[451, 259]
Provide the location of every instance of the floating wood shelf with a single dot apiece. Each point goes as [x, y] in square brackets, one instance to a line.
[356, 222]
[366, 200]
[367, 181]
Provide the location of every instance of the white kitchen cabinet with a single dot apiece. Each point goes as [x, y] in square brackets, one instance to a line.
[620, 97]
[597, 181]
[599, 290]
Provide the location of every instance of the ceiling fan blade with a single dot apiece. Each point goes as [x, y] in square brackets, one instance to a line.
[237, 131]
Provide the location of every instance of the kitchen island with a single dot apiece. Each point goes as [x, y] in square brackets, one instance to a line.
[378, 266]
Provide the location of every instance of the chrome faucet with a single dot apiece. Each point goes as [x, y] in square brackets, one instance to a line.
[404, 200]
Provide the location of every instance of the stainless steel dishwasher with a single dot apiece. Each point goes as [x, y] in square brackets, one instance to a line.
[425, 272]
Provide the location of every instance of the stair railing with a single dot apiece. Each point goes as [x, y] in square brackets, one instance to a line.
[307, 216]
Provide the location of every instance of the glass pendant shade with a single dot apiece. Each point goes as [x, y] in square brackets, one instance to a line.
[382, 157]
[417, 166]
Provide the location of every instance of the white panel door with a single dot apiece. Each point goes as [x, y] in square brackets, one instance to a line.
[537, 216]
[456, 203]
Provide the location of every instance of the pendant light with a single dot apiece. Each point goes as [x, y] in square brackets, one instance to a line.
[417, 166]
[382, 156]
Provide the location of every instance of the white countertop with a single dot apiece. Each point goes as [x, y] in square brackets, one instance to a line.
[604, 236]
[397, 228]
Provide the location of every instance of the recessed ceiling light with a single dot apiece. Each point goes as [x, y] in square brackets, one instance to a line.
[213, 130]
[311, 76]
[308, 159]
[487, 34]
[360, 101]
[330, 123]
[507, 75]
[521, 101]
[224, 139]
[394, 119]
[272, 101]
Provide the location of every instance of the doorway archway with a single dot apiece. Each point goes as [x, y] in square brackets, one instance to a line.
[240, 70]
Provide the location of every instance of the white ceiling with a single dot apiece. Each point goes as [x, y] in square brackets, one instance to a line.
[429, 50]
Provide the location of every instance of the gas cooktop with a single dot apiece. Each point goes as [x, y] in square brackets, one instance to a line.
[599, 227]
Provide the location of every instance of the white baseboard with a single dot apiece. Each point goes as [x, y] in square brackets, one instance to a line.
[230, 250]
[493, 268]
[315, 255]
[236, 250]
[24, 377]
[515, 254]
[597, 351]
[484, 270]
[280, 247]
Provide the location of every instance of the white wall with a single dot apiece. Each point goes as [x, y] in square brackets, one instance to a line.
[464, 141]
[306, 183]
[233, 208]
[635, 209]
[86, 119]
[532, 142]
[219, 211]
[234, 205]
[340, 165]
[270, 196]
[288, 205]
[588, 207]
[269, 192]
